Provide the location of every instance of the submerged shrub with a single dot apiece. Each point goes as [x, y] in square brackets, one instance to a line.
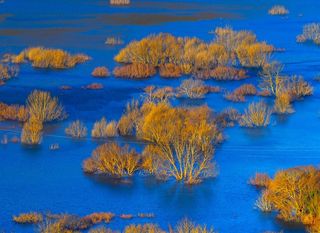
[32, 132]
[311, 32]
[50, 58]
[295, 195]
[260, 180]
[28, 218]
[158, 95]
[113, 160]
[238, 95]
[227, 73]
[192, 88]
[228, 117]
[282, 103]
[119, 2]
[8, 72]
[146, 228]
[101, 72]
[278, 10]
[44, 108]
[103, 129]
[186, 226]
[298, 87]
[113, 41]
[134, 71]
[93, 86]
[263, 203]
[256, 115]
[13, 112]
[76, 129]
[128, 120]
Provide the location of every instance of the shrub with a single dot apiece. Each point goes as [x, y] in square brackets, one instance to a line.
[192, 89]
[96, 218]
[65, 87]
[257, 115]
[238, 95]
[119, 2]
[263, 203]
[44, 108]
[103, 129]
[170, 70]
[31, 217]
[227, 73]
[260, 180]
[135, 71]
[294, 194]
[282, 103]
[13, 112]
[311, 32]
[128, 120]
[271, 80]
[227, 117]
[100, 71]
[76, 129]
[278, 10]
[158, 95]
[186, 226]
[113, 160]
[8, 72]
[32, 132]
[94, 86]
[175, 132]
[146, 228]
[298, 87]
[113, 41]
[102, 230]
[126, 216]
[50, 58]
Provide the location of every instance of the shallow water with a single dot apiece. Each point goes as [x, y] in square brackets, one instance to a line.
[44, 180]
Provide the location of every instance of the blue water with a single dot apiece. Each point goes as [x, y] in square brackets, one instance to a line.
[44, 180]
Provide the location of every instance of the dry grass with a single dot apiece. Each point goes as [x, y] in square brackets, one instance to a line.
[76, 129]
[100, 72]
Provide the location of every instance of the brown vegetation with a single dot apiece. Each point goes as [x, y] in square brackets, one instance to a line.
[93, 86]
[30, 218]
[119, 2]
[238, 95]
[260, 180]
[192, 88]
[8, 72]
[295, 195]
[311, 32]
[13, 112]
[134, 71]
[170, 70]
[158, 95]
[113, 160]
[256, 115]
[226, 73]
[102, 129]
[113, 41]
[50, 58]
[100, 72]
[32, 132]
[278, 10]
[76, 129]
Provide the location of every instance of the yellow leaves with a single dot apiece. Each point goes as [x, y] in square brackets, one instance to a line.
[256, 115]
[32, 132]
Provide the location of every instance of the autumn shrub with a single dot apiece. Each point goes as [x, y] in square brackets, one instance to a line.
[228, 117]
[158, 94]
[278, 10]
[113, 160]
[298, 87]
[169, 70]
[32, 132]
[175, 133]
[146, 228]
[30, 218]
[192, 88]
[65, 87]
[282, 103]
[101, 72]
[134, 71]
[263, 203]
[13, 112]
[260, 180]
[50, 58]
[227, 73]
[96, 218]
[126, 216]
[113, 41]
[102, 129]
[256, 115]
[238, 95]
[102, 229]
[272, 81]
[76, 129]
[129, 119]
[44, 108]
[295, 195]
[93, 86]
[311, 32]
[8, 72]
[119, 2]
[187, 226]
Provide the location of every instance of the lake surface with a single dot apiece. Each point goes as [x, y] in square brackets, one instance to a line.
[44, 180]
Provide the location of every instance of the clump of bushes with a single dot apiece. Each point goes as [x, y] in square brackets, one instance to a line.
[158, 95]
[102, 129]
[8, 72]
[101, 72]
[119, 2]
[134, 71]
[187, 226]
[50, 58]
[28, 218]
[76, 129]
[260, 180]
[278, 10]
[113, 160]
[311, 32]
[146, 228]
[225, 73]
[32, 132]
[192, 88]
[256, 115]
[238, 95]
[228, 117]
[44, 108]
[282, 103]
[294, 194]
[170, 70]
[113, 41]
[13, 112]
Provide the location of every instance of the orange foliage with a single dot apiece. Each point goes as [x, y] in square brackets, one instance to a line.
[31, 217]
[13, 112]
[238, 95]
[260, 179]
[100, 71]
[134, 71]
[227, 73]
[170, 70]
